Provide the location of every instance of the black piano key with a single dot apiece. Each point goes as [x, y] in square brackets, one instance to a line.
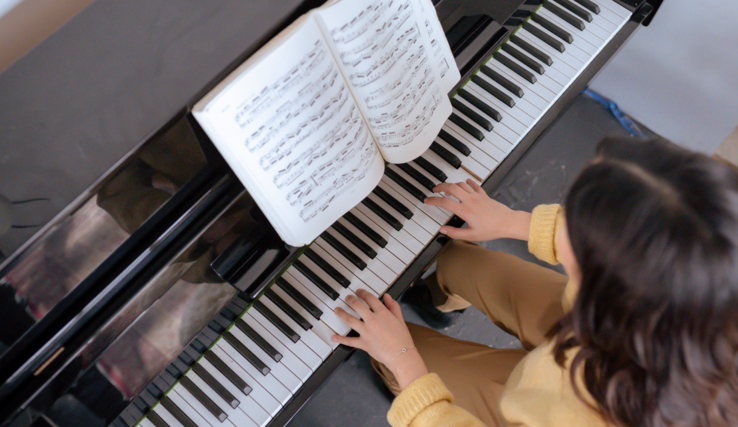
[522, 57]
[156, 420]
[127, 419]
[140, 404]
[489, 88]
[445, 155]
[291, 312]
[276, 321]
[502, 81]
[235, 308]
[431, 169]
[148, 398]
[220, 323]
[406, 185]
[228, 314]
[328, 268]
[167, 403]
[481, 105]
[227, 372]
[203, 398]
[576, 10]
[473, 115]
[181, 365]
[198, 346]
[258, 339]
[343, 250]
[368, 232]
[170, 375]
[157, 388]
[533, 2]
[216, 386]
[416, 175]
[590, 6]
[515, 67]
[564, 15]
[320, 283]
[390, 200]
[355, 240]
[246, 354]
[240, 303]
[454, 142]
[553, 28]
[207, 337]
[532, 50]
[545, 37]
[476, 133]
[186, 358]
[299, 298]
[383, 214]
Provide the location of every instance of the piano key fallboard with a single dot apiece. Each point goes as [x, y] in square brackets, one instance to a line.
[256, 363]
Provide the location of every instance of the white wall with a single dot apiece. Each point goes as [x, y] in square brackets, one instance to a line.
[679, 76]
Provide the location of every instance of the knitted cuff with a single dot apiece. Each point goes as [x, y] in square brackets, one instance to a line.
[423, 392]
[543, 228]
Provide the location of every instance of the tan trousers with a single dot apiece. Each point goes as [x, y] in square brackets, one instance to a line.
[522, 298]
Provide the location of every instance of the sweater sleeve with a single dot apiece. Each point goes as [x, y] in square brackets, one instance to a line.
[428, 403]
[545, 223]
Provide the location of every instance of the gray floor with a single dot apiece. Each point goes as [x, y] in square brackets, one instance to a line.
[355, 395]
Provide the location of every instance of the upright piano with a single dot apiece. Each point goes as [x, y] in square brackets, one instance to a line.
[139, 282]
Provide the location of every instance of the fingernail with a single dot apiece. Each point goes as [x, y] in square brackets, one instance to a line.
[426, 200]
[442, 231]
[334, 339]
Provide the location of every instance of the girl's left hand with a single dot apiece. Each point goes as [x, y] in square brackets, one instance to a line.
[383, 334]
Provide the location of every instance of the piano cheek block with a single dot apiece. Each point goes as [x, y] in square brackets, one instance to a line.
[253, 260]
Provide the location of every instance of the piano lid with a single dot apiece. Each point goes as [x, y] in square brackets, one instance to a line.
[92, 92]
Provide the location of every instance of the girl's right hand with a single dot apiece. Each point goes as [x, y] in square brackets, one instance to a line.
[487, 218]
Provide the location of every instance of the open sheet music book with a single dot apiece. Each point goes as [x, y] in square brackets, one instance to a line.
[308, 122]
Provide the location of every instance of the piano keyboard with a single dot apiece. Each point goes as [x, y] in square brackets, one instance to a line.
[245, 367]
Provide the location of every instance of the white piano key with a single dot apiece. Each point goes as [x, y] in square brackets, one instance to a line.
[525, 119]
[165, 415]
[611, 13]
[531, 103]
[192, 408]
[303, 348]
[419, 216]
[553, 88]
[237, 416]
[535, 93]
[582, 39]
[241, 366]
[514, 125]
[278, 369]
[146, 423]
[385, 274]
[401, 236]
[486, 145]
[477, 154]
[379, 265]
[506, 134]
[571, 48]
[565, 62]
[320, 329]
[355, 285]
[364, 277]
[290, 359]
[258, 393]
[454, 175]
[467, 162]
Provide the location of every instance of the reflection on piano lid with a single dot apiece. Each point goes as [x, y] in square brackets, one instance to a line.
[160, 281]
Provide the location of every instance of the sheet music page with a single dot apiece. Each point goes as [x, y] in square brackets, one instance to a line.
[383, 49]
[290, 129]
[445, 62]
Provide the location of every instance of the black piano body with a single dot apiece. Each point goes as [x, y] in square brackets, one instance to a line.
[126, 220]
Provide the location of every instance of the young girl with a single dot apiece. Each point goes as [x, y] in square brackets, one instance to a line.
[643, 332]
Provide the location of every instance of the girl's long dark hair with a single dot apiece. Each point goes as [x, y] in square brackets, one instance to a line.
[654, 328]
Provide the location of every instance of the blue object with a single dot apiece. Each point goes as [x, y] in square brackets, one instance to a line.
[624, 120]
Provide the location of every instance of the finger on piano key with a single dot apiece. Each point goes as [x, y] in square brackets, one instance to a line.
[319, 329]
[328, 302]
[414, 182]
[327, 267]
[244, 368]
[386, 265]
[292, 361]
[238, 415]
[402, 236]
[310, 349]
[238, 381]
[364, 277]
[366, 230]
[419, 216]
[278, 370]
[184, 413]
[306, 304]
[532, 50]
[438, 216]
[431, 168]
[258, 394]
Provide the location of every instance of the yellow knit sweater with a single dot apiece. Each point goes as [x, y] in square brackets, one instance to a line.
[538, 392]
